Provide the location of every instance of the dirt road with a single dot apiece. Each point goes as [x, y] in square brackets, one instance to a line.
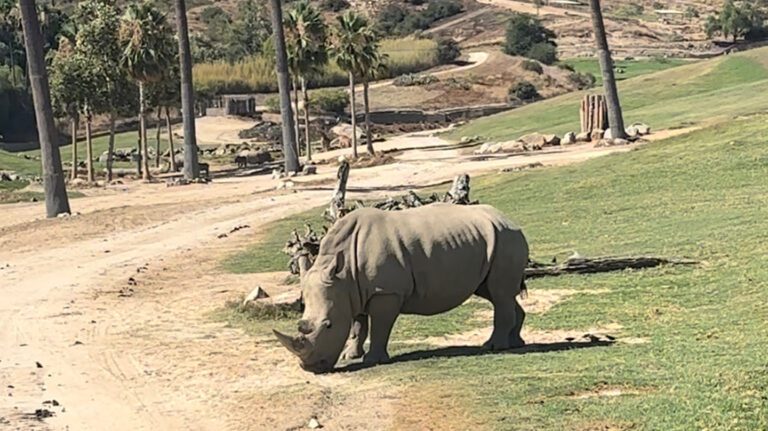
[154, 359]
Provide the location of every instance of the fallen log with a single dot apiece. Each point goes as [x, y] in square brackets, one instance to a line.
[584, 265]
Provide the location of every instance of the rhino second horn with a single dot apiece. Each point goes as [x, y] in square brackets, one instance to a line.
[295, 345]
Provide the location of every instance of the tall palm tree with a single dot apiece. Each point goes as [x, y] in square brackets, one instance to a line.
[306, 37]
[352, 37]
[56, 201]
[283, 84]
[147, 54]
[615, 116]
[372, 63]
[191, 167]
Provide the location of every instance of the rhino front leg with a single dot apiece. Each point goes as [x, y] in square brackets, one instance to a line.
[357, 336]
[383, 310]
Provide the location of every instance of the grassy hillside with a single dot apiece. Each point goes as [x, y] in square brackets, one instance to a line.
[681, 96]
[697, 356]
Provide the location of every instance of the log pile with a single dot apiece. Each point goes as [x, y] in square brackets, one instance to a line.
[584, 265]
[594, 113]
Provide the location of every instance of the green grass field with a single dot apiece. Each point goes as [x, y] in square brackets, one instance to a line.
[687, 95]
[701, 196]
[631, 68]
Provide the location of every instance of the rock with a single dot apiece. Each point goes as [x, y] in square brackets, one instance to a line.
[551, 140]
[513, 147]
[277, 174]
[344, 130]
[494, 149]
[309, 170]
[632, 132]
[619, 142]
[583, 137]
[568, 139]
[314, 424]
[608, 134]
[78, 182]
[642, 129]
[483, 148]
[534, 139]
[104, 157]
[257, 293]
[468, 139]
[611, 143]
[597, 135]
[285, 184]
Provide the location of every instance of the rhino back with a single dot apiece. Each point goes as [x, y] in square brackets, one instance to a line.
[434, 257]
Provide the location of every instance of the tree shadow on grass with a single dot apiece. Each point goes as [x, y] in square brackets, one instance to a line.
[467, 351]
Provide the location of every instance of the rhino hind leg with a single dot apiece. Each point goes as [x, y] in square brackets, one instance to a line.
[515, 339]
[383, 310]
[508, 315]
[357, 336]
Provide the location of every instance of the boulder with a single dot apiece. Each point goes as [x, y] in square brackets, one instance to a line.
[568, 139]
[309, 170]
[611, 143]
[534, 139]
[608, 134]
[494, 149]
[584, 137]
[256, 294]
[642, 129]
[597, 135]
[483, 148]
[343, 130]
[513, 147]
[551, 140]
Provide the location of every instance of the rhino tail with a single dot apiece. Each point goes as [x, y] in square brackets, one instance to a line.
[523, 290]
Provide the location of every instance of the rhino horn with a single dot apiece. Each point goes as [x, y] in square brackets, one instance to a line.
[295, 345]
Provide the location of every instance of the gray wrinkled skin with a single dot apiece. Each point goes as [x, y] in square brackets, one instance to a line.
[374, 265]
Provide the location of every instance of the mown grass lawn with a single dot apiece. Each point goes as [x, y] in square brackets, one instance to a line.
[705, 362]
[694, 94]
[626, 69]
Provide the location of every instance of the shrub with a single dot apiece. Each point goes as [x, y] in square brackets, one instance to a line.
[213, 13]
[582, 81]
[447, 50]
[532, 66]
[397, 20]
[543, 52]
[273, 104]
[334, 5]
[410, 80]
[330, 101]
[523, 32]
[523, 91]
[459, 83]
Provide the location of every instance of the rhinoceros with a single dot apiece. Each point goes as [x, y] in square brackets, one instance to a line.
[376, 265]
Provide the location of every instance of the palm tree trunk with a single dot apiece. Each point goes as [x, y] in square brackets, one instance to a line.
[305, 95]
[174, 168]
[143, 131]
[353, 113]
[56, 201]
[368, 137]
[283, 84]
[191, 165]
[296, 122]
[89, 143]
[615, 117]
[75, 120]
[111, 148]
[158, 130]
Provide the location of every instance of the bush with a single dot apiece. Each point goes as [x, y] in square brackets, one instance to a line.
[397, 20]
[334, 5]
[330, 101]
[273, 104]
[410, 80]
[447, 51]
[532, 66]
[523, 91]
[582, 81]
[543, 52]
[523, 32]
[212, 13]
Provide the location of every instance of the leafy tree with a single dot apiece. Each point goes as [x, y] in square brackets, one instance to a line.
[737, 20]
[526, 36]
[447, 50]
[148, 52]
[306, 38]
[524, 91]
[56, 200]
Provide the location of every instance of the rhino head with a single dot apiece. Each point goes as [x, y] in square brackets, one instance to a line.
[325, 324]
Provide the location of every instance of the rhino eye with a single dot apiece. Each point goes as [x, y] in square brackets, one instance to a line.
[327, 324]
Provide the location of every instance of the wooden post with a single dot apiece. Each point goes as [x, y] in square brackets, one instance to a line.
[594, 113]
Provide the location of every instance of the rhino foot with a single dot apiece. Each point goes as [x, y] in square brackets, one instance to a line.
[352, 352]
[375, 359]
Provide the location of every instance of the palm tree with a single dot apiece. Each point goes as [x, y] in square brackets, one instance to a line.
[56, 201]
[352, 37]
[306, 37]
[615, 117]
[147, 54]
[372, 62]
[191, 167]
[283, 84]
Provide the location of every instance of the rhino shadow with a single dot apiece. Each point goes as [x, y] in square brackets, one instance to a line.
[466, 351]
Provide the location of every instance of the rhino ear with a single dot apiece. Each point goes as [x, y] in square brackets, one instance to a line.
[332, 271]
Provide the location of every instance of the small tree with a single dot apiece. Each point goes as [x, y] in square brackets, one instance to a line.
[448, 50]
[527, 37]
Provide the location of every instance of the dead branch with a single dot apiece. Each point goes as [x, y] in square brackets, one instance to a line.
[583, 265]
[337, 208]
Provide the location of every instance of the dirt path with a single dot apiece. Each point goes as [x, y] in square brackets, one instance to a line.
[475, 59]
[529, 8]
[155, 360]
